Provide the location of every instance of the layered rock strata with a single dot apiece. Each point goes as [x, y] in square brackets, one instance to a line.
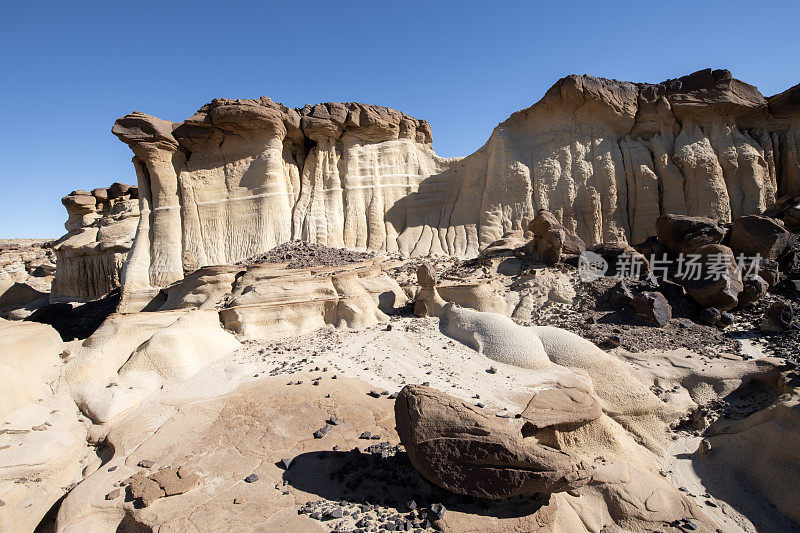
[100, 231]
[606, 157]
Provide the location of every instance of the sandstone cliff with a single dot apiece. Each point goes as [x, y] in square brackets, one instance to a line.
[607, 157]
[100, 230]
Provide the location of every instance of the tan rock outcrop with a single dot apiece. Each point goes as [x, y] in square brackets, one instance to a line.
[605, 157]
[100, 231]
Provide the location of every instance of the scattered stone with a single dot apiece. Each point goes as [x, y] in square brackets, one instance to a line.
[374, 393]
[653, 308]
[321, 432]
[146, 463]
[252, 478]
[755, 288]
[780, 316]
[333, 421]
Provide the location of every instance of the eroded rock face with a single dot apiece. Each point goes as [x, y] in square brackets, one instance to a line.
[100, 231]
[457, 448]
[605, 157]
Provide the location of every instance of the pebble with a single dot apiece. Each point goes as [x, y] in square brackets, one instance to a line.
[333, 421]
[252, 478]
[321, 432]
[492, 370]
[374, 394]
[438, 510]
[146, 463]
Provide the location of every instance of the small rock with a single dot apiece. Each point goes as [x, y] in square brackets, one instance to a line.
[653, 308]
[114, 494]
[366, 435]
[438, 510]
[688, 524]
[374, 394]
[252, 478]
[492, 370]
[333, 421]
[146, 463]
[334, 514]
[321, 432]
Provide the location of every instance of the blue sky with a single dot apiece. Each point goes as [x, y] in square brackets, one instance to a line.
[70, 69]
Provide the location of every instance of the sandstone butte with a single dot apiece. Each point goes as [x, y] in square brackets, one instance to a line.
[606, 157]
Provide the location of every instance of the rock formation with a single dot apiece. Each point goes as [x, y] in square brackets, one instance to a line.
[463, 450]
[100, 230]
[606, 157]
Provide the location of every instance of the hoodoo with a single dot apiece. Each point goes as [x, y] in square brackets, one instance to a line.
[606, 157]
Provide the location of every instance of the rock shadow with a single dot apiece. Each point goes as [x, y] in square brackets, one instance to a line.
[391, 481]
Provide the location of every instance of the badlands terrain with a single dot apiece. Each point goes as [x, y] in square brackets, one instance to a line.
[306, 320]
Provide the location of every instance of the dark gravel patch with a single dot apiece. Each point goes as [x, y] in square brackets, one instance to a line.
[304, 255]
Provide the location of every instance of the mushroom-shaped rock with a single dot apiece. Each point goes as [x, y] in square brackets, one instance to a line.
[459, 449]
[139, 127]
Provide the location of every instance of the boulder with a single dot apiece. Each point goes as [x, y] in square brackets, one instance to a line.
[620, 294]
[755, 287]
[551, 239]
[781, 316]
[622, 259]
[681, 234]
[653, 307]
[456, 447]
[717, 281]
[118, 190]
[791, 218]
[757, 235]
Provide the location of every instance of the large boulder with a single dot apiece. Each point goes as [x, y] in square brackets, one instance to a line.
[459, 449]
[759, 235]
[551, 239]
[716, 281]
[622, 259]
[681, 233]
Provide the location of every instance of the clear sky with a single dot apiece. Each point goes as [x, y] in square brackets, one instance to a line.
[69, 69]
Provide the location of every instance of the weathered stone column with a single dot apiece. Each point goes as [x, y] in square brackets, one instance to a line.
[155, 259]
